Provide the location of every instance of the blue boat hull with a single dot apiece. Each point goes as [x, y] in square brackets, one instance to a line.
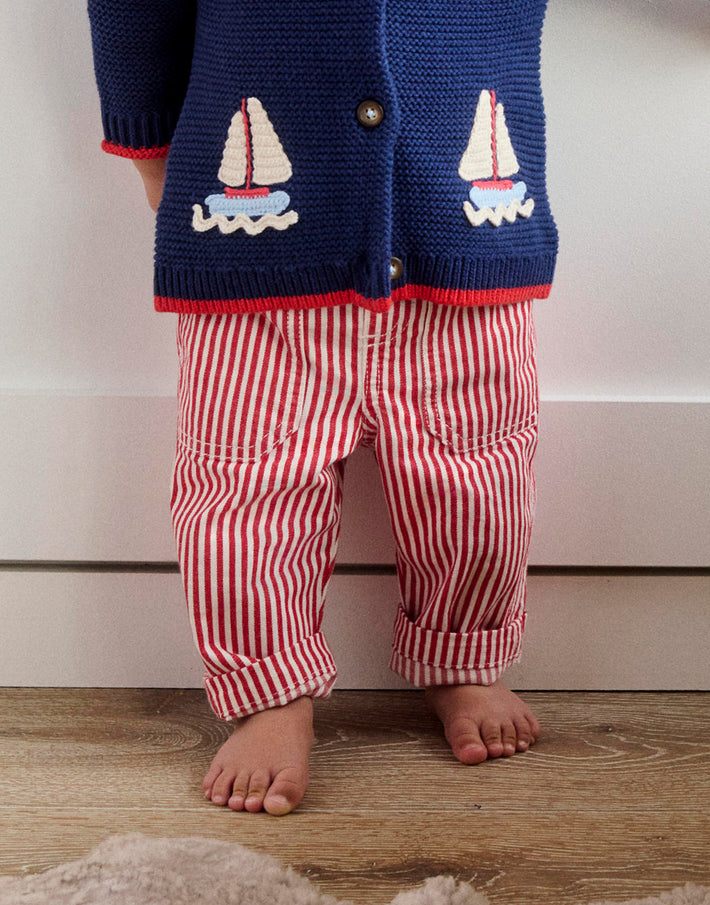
[274, 203]
[493, 197]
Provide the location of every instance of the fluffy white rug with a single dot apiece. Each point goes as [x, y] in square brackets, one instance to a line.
[135, 869]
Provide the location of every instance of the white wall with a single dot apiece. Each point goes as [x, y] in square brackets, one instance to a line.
[627, 87]
[88, 371]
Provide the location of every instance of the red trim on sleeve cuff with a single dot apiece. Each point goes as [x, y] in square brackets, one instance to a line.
[135, 153]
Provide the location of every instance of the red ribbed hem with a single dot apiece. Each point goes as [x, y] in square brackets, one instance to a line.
[471, 297]
[438, 296]
[135, 153]
[271, 303]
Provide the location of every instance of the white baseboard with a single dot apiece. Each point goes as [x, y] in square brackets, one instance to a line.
[79, 629]
[619, 483]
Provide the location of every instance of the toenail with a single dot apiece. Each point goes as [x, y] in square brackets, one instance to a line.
[219, 799]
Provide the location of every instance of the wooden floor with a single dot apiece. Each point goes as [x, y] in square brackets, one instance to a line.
[612, 802]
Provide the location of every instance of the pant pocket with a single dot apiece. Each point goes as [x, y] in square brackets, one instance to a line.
[479, 379]
[242, 383]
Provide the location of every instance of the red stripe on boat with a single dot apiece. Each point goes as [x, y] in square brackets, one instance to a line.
[245, 193]
[499, 185]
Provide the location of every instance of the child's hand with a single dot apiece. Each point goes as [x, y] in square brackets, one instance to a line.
[153, 174]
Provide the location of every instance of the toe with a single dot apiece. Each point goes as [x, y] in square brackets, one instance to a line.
[258, 785]
[222, 788]
[532, 722]
[286, 791]
[239, 792]
[509, 738]
[466, 741]
[529, 717]
[523, 733]
[210, 778]
[492, 738]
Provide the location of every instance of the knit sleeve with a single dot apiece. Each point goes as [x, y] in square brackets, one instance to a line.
[142, 56]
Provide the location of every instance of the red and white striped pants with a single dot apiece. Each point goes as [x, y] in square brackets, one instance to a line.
[271, 404]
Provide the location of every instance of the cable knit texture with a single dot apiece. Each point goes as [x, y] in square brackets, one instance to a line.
[327, 152]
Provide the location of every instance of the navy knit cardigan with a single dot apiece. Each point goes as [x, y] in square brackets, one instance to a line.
[325, 152]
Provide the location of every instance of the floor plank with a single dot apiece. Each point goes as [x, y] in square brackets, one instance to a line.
[612, 802]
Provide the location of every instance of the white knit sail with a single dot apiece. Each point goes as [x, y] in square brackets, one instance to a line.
[477, 160]
[233, 171]
[507, 161]
[270, 161]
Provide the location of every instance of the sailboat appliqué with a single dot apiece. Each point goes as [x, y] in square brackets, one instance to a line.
[253, 159]
[488, 162]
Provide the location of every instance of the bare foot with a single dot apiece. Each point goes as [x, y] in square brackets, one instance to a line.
[482, 721]
[264, 764]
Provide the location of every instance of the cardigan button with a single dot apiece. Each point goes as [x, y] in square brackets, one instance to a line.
[396, 268]
[370, 113]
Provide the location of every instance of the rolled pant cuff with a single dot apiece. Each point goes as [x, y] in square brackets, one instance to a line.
[426, 657]
[306, 669]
